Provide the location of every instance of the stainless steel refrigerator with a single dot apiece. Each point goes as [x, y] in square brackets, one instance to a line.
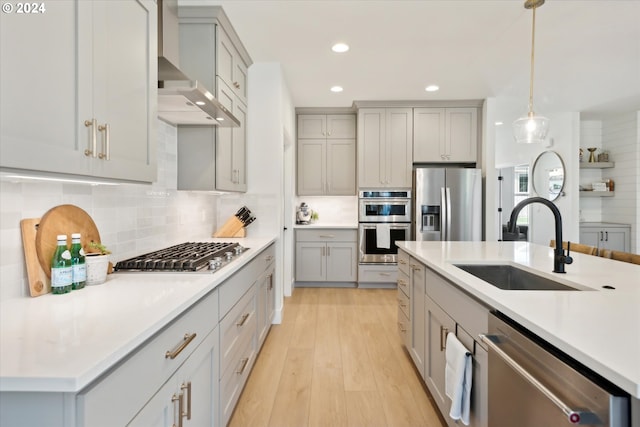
[447, 204]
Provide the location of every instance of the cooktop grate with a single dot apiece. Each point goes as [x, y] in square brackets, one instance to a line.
[190, 256]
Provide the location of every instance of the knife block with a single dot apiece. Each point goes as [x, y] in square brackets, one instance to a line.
[233, 227]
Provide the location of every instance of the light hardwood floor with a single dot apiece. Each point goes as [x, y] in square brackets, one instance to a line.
[336, 360]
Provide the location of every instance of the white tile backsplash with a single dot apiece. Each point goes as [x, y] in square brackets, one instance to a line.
[131, 218]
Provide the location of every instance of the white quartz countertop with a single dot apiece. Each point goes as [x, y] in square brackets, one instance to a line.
[61, 343]
[598, 327]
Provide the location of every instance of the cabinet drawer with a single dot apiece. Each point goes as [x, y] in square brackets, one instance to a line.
[468, 312]
[237, 325]
[404, 304]
[234, 379]
[377, 274]
[135, 380]
[238, 284]
[326, 235]
[403, 262]
[403, 327]
[403, 283]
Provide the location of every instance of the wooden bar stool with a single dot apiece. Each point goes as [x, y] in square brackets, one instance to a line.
[577, 247]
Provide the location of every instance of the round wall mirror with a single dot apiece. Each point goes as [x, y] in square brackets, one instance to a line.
[548, 175]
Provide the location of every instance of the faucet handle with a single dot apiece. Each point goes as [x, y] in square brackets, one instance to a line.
[567, 258]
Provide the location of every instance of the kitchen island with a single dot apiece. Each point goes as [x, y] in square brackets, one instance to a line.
[55, 350]
[598, 326]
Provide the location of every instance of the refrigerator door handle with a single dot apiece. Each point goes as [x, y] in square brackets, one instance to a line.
[443, 214]
[448, 195]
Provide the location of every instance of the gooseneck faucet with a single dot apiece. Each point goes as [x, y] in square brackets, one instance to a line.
[559, 258]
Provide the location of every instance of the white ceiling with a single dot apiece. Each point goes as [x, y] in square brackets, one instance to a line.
[587, 55]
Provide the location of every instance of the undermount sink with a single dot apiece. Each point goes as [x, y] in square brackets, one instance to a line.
[510, 278]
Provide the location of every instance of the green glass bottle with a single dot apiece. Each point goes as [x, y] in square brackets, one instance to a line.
[61, 269]
[78, 263]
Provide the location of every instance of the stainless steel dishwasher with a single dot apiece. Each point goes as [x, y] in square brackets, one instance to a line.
[532, 384]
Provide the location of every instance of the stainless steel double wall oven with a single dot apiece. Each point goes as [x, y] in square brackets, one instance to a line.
[384, 218]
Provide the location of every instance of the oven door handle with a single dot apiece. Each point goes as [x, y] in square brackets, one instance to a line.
[573, 416]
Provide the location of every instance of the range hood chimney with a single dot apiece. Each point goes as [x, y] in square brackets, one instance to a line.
[181, 100]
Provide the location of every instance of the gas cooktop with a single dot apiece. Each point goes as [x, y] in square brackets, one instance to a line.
[190, 256]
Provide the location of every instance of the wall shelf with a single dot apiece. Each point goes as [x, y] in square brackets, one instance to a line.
[596, 193]
[596, 165]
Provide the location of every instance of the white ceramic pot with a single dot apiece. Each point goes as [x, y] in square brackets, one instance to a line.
[97, 266]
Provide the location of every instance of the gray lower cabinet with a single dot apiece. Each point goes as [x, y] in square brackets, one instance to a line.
[606, 235]
[197, 385]
[443, 308]
[326, 255]
[92, 67]
[418, 335]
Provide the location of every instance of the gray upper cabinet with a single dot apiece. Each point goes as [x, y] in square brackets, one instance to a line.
[83, 100]
[385, 141]
[326, 154]
[445, 135]
[210, 52]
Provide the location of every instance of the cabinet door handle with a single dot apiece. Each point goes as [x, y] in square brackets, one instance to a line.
[243, 320]
[106, 143]
[443, 338]
[180, 399]
[243, 365]
[270, 282]
[328, 251]
[187, 387]
[172, 354]
[268, 258]
[93, 141]
[402, 282]
[606, 234]
[401, 327]
[601, 236]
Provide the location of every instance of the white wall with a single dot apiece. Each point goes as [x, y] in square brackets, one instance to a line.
[271, 120]
[620, 136]
[563, 138]
[132, 219]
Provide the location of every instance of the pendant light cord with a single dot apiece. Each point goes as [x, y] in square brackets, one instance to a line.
[533, 39]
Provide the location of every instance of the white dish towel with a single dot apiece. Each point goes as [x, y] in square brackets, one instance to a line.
[383, 236]
[458, 378]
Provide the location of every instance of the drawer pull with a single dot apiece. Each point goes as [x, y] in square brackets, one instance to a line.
[187, 387]
[443, 338]
[243, 365]
[403, 262]
[268, 258]
[243, 320]
[172, 354]
[328, 236]
[401, 327]
[402, 282]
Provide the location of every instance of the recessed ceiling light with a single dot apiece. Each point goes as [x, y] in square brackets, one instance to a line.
[199, 102]
[220, 119]
[432, 88]
[340, 47]
[499, 123]
[337, 89]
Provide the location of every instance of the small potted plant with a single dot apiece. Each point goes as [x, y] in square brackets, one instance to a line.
[97, 260]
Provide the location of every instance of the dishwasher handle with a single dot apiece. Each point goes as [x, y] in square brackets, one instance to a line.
[578, 416]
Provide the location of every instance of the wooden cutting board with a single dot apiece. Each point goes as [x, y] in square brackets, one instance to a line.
[39, 283]
[63, 219]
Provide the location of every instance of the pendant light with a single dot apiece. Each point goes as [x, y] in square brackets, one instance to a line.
[531, 128]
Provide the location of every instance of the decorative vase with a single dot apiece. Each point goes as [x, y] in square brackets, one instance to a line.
[97, 266]
[592, 156]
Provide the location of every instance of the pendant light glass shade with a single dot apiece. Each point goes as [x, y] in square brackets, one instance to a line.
[531, 128]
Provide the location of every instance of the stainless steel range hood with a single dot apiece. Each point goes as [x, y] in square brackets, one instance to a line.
[182, 101]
